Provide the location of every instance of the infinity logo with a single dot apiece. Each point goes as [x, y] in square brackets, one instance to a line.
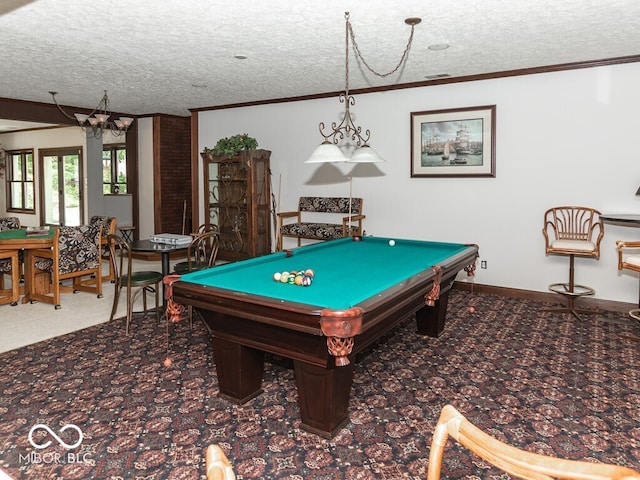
[58, 439]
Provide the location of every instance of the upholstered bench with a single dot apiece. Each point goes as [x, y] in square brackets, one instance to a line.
[316, 229]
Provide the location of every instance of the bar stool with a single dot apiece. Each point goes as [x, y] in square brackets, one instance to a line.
[572, 231]
[630, 262]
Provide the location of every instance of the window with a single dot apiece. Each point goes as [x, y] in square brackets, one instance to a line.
[114, 169]
[20, 185]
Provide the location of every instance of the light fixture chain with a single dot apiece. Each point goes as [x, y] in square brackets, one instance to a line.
[357, 50]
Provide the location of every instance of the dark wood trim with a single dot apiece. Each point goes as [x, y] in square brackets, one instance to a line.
[195, 183]
[548, 297]
[439, 81]
[157, 178]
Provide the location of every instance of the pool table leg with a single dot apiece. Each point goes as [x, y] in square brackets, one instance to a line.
[323, 396]
[430, 320]
[239, 370]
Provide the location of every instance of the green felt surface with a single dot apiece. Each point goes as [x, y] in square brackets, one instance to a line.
[22, 233]
[346, 271]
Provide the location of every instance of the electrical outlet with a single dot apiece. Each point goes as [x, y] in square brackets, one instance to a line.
[483, 264]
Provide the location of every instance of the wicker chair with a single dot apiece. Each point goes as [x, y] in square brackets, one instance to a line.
[574, 232]
[514, 461]
[629, 259]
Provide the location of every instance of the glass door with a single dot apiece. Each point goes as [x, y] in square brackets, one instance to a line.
[61, 188]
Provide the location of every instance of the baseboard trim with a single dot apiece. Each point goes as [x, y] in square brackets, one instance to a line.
[548, 297]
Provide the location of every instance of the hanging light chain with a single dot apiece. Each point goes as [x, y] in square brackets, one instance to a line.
[412, 22]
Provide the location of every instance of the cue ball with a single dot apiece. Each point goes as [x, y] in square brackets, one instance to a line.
[276, 276]
[392, 243]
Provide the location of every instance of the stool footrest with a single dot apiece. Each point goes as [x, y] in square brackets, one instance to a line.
[576, 291]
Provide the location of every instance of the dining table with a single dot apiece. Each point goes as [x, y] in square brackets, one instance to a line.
[24, 239]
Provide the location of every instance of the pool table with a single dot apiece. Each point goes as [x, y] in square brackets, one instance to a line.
[362, 288]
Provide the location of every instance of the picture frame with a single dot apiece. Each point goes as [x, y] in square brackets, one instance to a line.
[455, 142]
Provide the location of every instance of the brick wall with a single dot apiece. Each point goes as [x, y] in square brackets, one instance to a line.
[172, 173]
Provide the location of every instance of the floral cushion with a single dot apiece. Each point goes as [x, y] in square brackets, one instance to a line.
[77, 250]
[330, 205]
[105, 222]
[5, 265]
[9, 223]
[321, 231]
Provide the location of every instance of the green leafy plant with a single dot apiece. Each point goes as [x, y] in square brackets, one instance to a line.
[230, 146]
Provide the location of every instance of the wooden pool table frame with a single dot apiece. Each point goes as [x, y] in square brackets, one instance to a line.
[243, 327]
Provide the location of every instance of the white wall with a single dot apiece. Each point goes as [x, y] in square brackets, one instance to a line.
[561, 138]
[145, 178]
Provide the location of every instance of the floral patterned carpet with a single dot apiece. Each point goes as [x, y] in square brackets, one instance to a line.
[541, 381]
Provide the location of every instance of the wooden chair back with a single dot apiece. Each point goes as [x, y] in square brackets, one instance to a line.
[573, 230]
[512, 460]
[109, 225]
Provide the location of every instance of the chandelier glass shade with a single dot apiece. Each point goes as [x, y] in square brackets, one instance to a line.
[346, 136]
[98, 120]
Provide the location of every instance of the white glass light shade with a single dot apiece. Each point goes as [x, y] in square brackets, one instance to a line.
[93, 121]
[365, 154]
[126, 121]
[81, 117]
[102, 117]
[327, 152]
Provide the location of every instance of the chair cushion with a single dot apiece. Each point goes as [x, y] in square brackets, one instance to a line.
[5, 265]
[77, 250]
[326, 231]
[579, 245]
[9, 223]
[142, 277]
[633, 260]
[183, 267]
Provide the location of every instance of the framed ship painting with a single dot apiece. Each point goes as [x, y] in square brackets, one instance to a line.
[458, 142]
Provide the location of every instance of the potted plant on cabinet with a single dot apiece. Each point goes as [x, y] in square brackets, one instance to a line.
[231, 146]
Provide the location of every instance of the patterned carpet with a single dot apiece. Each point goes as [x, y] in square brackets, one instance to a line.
[544, 382]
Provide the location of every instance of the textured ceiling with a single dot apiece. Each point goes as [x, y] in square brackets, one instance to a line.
[165, 56]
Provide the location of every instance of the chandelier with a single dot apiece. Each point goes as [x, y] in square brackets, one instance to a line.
[329, 150]
[98, 120]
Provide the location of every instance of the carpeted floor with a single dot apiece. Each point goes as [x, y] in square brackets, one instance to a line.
[543, 382]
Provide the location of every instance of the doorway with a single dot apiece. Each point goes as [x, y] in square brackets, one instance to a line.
[61, 187]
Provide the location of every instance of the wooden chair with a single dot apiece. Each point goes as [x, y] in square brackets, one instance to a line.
[10, 262]
[512, 460]
[10, 265]
[134, 282]
[109, 225]
[217, 464]
[572, 231]
[202, 253]
[629, 259]
[75, 255]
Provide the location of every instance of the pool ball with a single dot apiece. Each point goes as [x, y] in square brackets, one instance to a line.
[284, 277]
[392, 243]
[309, 273]
[276, 276]
[306, 281]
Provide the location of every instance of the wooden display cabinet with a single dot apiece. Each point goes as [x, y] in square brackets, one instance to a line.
[237, 200]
